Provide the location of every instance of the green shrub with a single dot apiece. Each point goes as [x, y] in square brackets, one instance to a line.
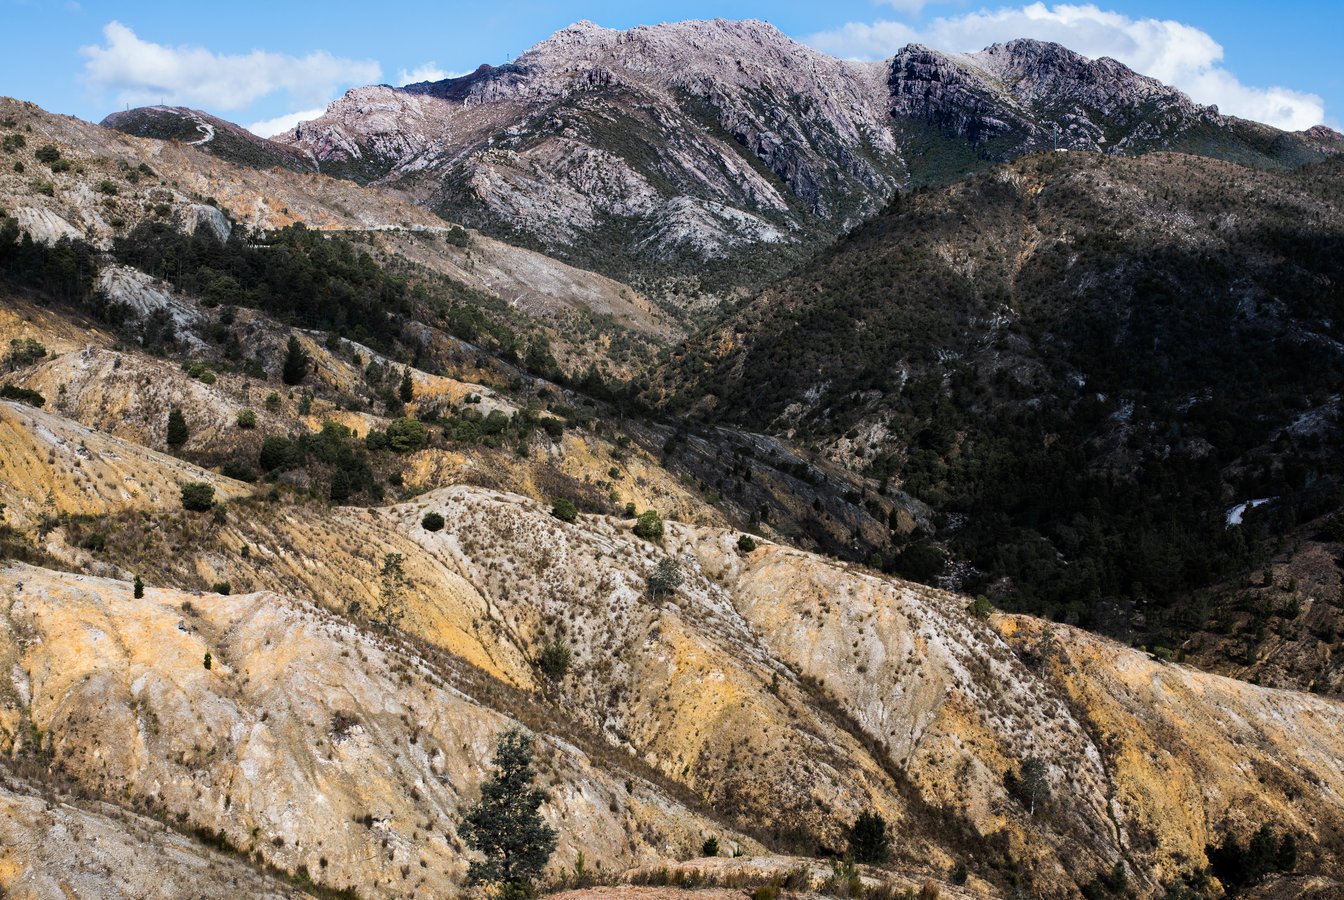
[980, 607]
[198, 496]
[279, 454]
[14, 142]
[201, 372]
[710, 847]
[564, 510]
[47, 153]
[107, 186]
[247, 418]
[22, 395]
[746, 543]
[46, 188]
[272, 402]
[406, 435]
[24, 352]
[631, 510]
[220, 587]
[649, 525]
[495, 423]
[61, 165]
[432, 522]
[238, 470]
[138, 587]
[554, 659]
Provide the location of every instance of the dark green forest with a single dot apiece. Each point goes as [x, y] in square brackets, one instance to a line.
[1080, 362]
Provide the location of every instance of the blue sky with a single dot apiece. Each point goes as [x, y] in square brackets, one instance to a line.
[265, 63]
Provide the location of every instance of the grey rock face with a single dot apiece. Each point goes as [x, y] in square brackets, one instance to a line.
[684, 139]
[1028, 95]
[683, 142]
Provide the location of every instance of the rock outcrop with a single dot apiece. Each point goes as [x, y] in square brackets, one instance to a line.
[688, 142]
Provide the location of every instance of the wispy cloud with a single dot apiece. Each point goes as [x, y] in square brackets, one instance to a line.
[1171, 51]
[429, 71]
[280, 124]
[136, 71]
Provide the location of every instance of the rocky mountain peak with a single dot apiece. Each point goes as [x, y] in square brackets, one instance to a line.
[691, 138]
[1048, 71]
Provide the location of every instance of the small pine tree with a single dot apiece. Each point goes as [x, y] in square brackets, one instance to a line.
[407, 389]
[432, 521]
[392, 579]
[505, 826]
[666, 578]
[868, 838]
[177, 428]
[1032, 785]
[746, 543]
[1286, 858]
[138, 587]
[554, 659]
[296, 364]
[207, 660]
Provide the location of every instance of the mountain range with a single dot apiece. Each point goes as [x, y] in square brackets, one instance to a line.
[725, 150]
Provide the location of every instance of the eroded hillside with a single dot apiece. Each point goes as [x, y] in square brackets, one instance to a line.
[872, 692]
[366, 544]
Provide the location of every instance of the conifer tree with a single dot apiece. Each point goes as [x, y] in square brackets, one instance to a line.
[296, 362]
[868, 839]
[177, 428]
[505, 826]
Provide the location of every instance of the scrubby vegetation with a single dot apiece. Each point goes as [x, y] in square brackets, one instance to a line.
[1077, 391]
[332, 454]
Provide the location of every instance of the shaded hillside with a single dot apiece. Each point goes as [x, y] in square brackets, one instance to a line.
[209, 135]
[1083, 362]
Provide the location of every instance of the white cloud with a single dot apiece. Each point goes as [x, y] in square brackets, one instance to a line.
[1170, 51]
[141, 72]
[429, 71]
[280, 124]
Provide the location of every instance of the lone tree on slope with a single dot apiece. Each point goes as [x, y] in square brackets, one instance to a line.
[296, 362]
[505, 826]
[177, 428]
